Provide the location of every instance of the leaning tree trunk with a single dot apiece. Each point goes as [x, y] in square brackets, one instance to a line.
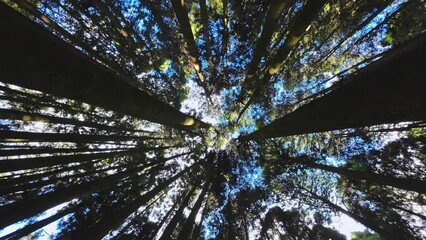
[20, 233]
[275, 10]
[37, 162]
[295, 33]
[364, 221]
[390, 90]
[18, 136]
[186, 230]
[114, 219]
[168, 231]
[34, 58]
[29, 207]
[402, 183]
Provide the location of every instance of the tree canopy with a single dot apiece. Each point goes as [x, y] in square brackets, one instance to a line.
[232, 119]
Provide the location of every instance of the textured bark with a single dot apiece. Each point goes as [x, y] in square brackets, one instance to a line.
[388, 91]
[185, 28]
[34, 58]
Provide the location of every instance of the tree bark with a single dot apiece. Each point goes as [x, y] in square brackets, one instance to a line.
[297, 29]
[20, 233]
[37, 117]
[37, 162]
[167, 233]
[406, 184]
[275, 10]
[390, 90]
[114, 219]
[17, 136]
[26, 208]
[36, 59]
[186, 230]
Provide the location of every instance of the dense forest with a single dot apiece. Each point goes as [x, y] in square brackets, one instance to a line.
[212, 119]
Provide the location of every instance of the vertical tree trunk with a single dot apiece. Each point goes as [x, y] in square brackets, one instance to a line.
[275, 10]
[167, 233]
[186, 230]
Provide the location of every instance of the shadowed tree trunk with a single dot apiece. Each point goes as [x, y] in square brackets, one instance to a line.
[36, 59]
[168, 231]
[18, 234]
[30, 207]
[364, 221]
[390, 90]
[25, 187]
[185, 27]
[275, 10]
[197, 228]
[37, 117]
[206, 28]
[114, 219]
[160, 225]
[186, 230]
[19, 151]
[402, 183]
[29, 163]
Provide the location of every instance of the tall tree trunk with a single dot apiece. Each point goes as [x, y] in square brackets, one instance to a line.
[20, 233]
[37, 117]
[37, 162]
[275, 10]
[36, 59]
[197, 228]
[21, 151]
[185, 27]
[52, 171]
[364, 221]
[168, 231]
[206, 29]
[17, 136]
[388, 91]
[296, 30]
[186, 230]
[160, 225]
[29, 207]
[114, 219]
[407, 184]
